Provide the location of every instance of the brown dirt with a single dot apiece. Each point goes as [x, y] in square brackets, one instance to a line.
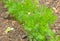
[18, 33]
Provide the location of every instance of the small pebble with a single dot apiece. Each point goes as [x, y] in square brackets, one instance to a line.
[47, 2]
[24, 36]
[54, 31]
[55, 9]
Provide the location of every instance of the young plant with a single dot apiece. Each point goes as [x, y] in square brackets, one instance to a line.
[36, 18]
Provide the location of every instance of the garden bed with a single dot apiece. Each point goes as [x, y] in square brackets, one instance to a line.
[18, 34]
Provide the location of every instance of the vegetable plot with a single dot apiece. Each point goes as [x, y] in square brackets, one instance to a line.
[36, 18]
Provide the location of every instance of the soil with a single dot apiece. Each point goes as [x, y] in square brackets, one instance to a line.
[18, 34]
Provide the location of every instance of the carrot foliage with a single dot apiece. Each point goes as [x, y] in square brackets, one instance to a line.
[36, 18]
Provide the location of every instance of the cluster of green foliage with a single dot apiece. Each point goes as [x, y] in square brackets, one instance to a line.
[36, 18]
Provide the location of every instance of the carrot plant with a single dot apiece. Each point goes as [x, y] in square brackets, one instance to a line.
[36, 18]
